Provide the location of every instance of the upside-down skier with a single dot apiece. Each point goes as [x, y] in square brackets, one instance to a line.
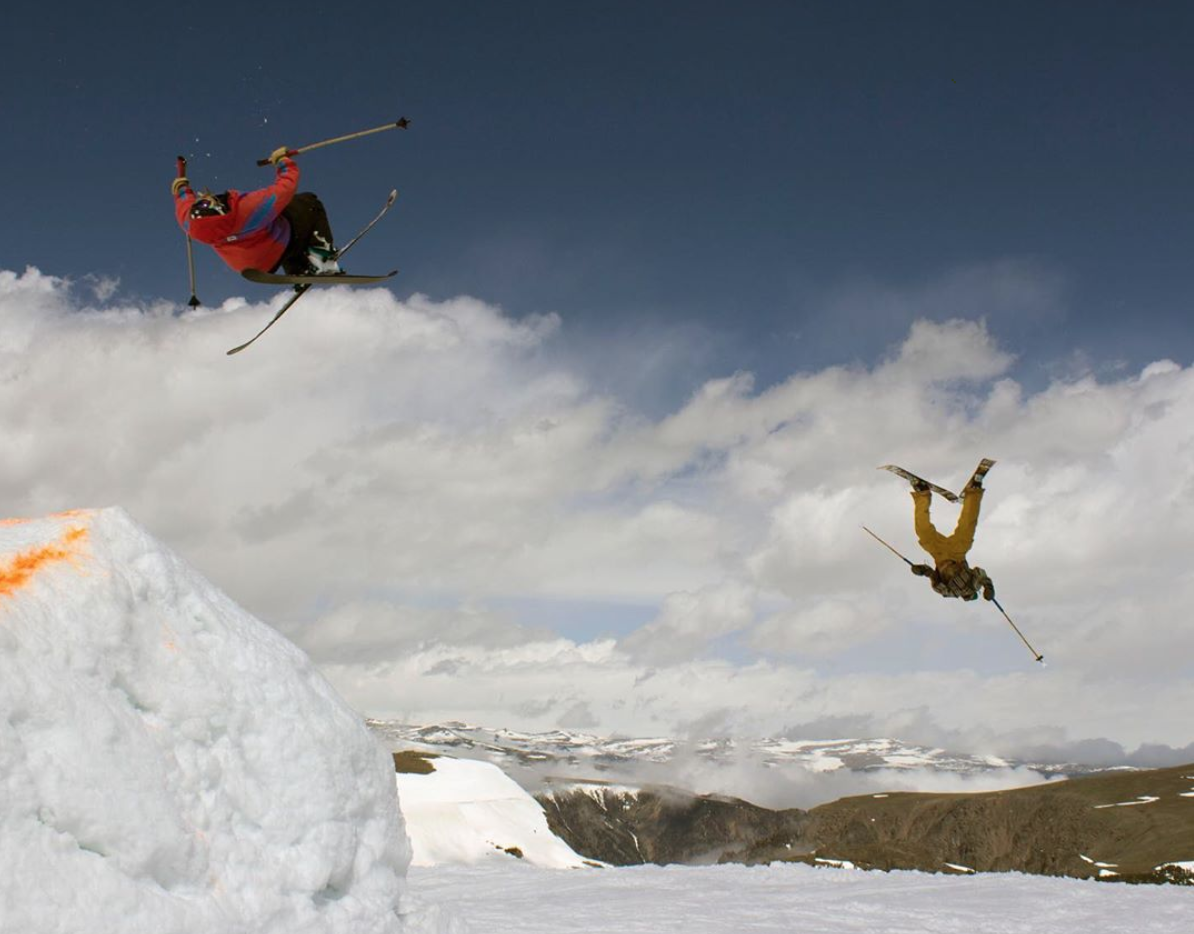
[951, 575]
[265, 229]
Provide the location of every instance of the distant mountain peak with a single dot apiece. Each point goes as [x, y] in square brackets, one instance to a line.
[600, 757]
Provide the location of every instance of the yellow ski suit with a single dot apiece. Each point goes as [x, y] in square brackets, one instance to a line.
[952, 577]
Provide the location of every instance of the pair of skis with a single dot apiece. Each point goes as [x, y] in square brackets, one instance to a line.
[974, 482]
[303, 283]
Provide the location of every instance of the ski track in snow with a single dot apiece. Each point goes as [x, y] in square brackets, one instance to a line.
[513, 897]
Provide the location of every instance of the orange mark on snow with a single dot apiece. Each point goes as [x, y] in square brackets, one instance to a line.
[168, 637]
[74, 534]
[67, 514]
[20, 570]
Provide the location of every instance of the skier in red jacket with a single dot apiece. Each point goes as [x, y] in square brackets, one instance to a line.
[261, 229]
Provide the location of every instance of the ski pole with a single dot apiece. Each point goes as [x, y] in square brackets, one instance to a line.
[194, 300]
[887, 546]
[396, 125]
[1036, 655]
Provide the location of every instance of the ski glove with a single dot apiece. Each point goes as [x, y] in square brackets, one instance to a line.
[179, 183]
[279, 154]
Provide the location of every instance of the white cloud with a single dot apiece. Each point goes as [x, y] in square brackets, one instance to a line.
[689, 621]
[376, 477]
[822, 628]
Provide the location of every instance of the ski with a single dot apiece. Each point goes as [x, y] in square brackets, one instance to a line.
[913, 478]
[298, 293]
[300, 290]
[336, 278]
[976, 478]
[369, 226]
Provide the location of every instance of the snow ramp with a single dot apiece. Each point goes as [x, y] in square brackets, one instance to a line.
[168, 763]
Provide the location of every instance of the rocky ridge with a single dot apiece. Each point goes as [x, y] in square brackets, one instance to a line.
[1134, 826]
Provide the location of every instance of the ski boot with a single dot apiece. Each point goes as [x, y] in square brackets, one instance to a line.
[321, 257]
[322, 262]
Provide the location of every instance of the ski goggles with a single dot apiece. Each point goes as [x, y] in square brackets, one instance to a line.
[207, 205]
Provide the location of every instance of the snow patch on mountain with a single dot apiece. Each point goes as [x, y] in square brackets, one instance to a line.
[1143, 799]
[600, 792]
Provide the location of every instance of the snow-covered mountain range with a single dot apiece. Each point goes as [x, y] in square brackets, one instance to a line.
[561, 752]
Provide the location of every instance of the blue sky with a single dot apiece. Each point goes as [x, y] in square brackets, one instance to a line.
[674, 279]
[732, 171]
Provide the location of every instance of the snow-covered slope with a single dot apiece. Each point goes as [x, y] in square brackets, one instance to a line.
[466, 811]
[167, 762]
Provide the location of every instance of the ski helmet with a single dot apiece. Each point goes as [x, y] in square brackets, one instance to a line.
[206, 204]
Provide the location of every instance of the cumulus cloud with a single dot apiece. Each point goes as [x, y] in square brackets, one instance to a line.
[361, 632]
[385, 479]
[1019, 295]
[688, 622]
[821, 628]
[753, 780]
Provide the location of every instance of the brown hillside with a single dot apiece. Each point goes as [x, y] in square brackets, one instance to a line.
[662, 825]
[1041, 829]
[1125, 824]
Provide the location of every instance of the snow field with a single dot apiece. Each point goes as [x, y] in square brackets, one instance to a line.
[514, 898]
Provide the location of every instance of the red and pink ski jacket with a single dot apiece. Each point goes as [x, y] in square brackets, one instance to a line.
[253, 234]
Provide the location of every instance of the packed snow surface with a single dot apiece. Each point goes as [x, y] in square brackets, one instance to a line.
[513, 898]
[466, 811]
[168, 763]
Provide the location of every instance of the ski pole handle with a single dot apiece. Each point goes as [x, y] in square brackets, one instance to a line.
[182, 166]
[290, 154]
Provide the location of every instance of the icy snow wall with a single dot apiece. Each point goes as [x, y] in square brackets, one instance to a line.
[168, 763]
